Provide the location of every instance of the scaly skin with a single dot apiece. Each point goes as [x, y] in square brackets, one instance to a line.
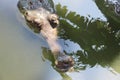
[42, 19]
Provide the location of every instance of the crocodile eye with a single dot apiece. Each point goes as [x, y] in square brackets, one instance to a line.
[53, 19]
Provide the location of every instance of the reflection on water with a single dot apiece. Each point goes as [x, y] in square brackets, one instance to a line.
[93, 43]
[82, 7]
[96, 38]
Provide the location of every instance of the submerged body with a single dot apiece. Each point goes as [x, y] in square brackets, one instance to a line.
[41, 18]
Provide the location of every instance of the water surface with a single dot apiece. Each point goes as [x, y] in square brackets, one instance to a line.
[82, 34]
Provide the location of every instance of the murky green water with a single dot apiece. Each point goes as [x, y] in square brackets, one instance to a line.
[84, 34]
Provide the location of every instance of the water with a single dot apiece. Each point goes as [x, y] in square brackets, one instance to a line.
[96, 50]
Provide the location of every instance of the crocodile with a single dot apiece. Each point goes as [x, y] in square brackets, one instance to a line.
[41, 18]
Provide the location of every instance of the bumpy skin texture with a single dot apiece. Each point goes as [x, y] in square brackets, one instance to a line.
[41, 19]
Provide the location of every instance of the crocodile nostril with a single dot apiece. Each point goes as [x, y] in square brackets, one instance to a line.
[26, 13]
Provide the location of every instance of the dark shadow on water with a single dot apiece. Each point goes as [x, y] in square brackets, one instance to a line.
[99, 44]
[98, 39]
